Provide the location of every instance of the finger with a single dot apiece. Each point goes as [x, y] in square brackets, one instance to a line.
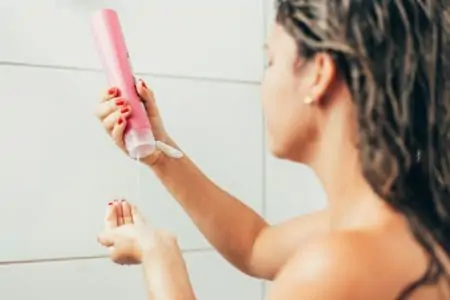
[106, 239]
[127, 214]
[106, 108]
[148, 98]
[118, 130]
[110, 217]
[137, 216]
[110, 93]
[119, 213]
[112, 119]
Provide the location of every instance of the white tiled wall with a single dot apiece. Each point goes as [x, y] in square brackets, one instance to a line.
[195, 38]
[204, 59]
[59, 168]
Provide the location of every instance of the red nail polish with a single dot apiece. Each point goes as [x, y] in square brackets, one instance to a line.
[125, 110]
[120, 102]
[120, 121]
[112, 91]
[110, 203]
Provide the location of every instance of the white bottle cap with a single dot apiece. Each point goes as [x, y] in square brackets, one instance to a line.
[140, 143]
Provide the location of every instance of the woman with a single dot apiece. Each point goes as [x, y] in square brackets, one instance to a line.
[358, 90]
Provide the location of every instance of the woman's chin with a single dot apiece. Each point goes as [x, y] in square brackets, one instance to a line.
[277, 149]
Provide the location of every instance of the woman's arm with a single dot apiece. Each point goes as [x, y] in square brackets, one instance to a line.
[227, 223]
[166, 274]
[233, 228]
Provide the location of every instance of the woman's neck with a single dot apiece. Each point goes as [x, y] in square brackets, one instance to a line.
[337, 164]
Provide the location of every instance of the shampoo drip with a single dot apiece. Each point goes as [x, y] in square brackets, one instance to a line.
[138, 181]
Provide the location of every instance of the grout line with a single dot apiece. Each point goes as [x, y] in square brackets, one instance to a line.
[78, 258]
[157, 75]
[43, 66]
[263, 131]
[50, 260]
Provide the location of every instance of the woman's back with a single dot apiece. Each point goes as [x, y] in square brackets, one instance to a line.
[372, 256]
[400, 264]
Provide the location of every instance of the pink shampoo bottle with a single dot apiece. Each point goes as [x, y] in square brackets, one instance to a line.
[139, 139]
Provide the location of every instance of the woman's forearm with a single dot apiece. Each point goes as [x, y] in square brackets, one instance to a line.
[227, 223]
[166, 277]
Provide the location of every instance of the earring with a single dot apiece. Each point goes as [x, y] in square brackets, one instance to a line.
[308, 100]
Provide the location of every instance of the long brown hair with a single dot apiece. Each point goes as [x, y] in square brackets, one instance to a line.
[395, 58]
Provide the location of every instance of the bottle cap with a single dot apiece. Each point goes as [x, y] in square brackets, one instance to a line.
[140, 143]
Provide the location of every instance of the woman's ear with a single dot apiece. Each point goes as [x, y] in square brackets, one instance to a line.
[321, 76]
[325, 75]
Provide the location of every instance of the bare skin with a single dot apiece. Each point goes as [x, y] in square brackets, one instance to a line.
[359, 248]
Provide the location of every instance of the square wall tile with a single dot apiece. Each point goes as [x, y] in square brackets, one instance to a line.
[101, 279]
[71, 280]
[200, 38]
[292, 190]
[59, 169]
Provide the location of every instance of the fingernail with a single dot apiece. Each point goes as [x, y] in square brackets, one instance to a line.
[125, 110]
[112, 91]
[143, 84]
[110, 203]
[123, 200]
[120, 102]
[120, 121]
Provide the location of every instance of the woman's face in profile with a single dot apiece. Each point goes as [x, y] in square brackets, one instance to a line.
[289, 122]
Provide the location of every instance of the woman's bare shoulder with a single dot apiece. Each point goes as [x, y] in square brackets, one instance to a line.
[336, 266]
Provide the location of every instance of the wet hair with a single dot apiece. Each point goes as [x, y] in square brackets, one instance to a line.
[394, 56]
